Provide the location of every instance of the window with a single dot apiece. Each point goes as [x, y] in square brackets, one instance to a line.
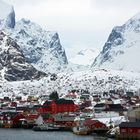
[130, 130]
[123, 130]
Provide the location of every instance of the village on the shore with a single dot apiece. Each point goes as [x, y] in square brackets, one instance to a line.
[111, 113]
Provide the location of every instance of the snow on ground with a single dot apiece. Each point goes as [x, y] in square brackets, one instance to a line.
[112, 120]
[94, 81]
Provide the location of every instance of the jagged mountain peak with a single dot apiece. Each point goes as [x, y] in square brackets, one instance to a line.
[41, 48]
[5, 9]
[7, 15]
[121, 51]
[134, 18]
[133, 23]
[35, 30]
[25, 20]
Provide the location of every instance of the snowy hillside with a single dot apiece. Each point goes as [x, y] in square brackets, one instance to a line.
[84, 57]
[71, 67]
[96, 82]
[100, 81]
[13, 65]
[7, 15]
[121, 51]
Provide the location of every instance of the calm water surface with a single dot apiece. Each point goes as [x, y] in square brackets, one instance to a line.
[21, 134]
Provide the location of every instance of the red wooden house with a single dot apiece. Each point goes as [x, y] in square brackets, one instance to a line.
[62, 105]
[58, 106]
[31, 118]
[13, 104]
[94, 124]
[5, 121]
[17, 118]
[130, 128]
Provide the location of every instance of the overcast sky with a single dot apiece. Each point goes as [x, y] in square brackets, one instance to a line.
[80, 23]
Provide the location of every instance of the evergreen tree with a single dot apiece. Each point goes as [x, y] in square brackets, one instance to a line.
[54, 96]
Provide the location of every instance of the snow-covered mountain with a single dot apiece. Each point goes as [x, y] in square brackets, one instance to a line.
[84, 57]
[7, 15]
[41, 48]
[13, 65]
[24, 43]
[122, 49]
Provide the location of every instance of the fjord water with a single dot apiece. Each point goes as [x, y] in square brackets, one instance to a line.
[21, 134]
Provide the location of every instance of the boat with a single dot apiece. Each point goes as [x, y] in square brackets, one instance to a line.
[112, 132]
[45, 127]
[79, 130]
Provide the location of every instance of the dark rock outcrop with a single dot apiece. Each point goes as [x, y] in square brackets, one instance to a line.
[13, 63]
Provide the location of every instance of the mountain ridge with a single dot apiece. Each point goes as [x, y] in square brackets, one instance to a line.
[41, 48]
[7, 15]
[120, 52]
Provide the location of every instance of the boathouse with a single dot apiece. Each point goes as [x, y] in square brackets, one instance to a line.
[129, 130]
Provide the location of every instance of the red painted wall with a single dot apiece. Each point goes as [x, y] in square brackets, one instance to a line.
[54, 108]
[134, 131]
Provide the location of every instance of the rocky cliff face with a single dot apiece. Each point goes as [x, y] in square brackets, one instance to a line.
[13, 65]
[121, 51]
[41, 48]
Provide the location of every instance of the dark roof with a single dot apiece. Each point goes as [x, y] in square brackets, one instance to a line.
[64, 101]
[22, 108]
[47, 103]
[115, 107]
[130, 124]
[37, 106]
[100, 105]
[94, 95]
[12, 114]
[109, 99]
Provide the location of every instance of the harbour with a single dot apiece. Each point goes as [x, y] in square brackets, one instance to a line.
[23, 134]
